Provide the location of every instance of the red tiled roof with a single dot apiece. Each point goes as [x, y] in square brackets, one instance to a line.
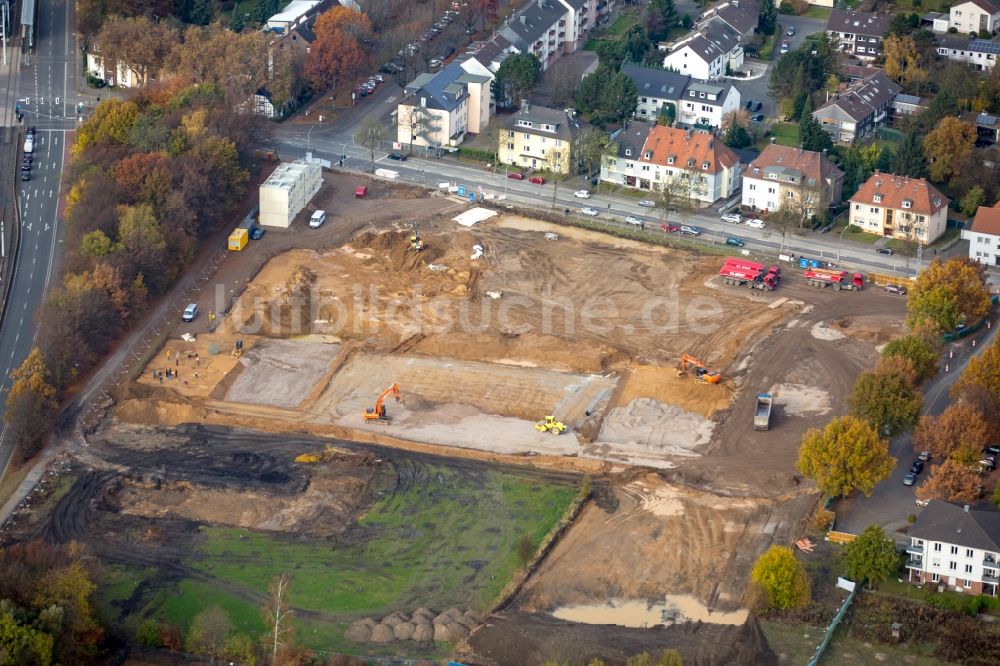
[696, 151]
[987, 221]
[924, 198]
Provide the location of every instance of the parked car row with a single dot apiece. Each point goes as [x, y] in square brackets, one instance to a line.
[366, 88]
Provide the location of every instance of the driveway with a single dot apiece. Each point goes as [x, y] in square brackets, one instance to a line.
[891, 502]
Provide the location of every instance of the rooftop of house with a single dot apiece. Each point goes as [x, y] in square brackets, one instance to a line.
[532, 22]
[794, 163]
[443, 91]
[949, 523]
[490, 53]
[901, 193]
[710, 42]
[687, 150]
[964, 43]
[858, 23]
[740, 15]
[539, 117]
[862, 98]
[981, 120]
[987, 221]
[714, 93]
[658, 83]
[630, 140]
[986, 5]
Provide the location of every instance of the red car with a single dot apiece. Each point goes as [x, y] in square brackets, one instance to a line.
[671, 228]
[537, 180]
[516, 175]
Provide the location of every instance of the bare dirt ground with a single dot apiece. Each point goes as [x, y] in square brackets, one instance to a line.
[588, 328]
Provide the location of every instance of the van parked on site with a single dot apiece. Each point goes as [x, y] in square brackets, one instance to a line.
[317, 219]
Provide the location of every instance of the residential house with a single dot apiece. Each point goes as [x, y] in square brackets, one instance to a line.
[975, 16]
[858, 33]
[658, 88]
[121, 75]
[900, 207]
[538, 137]
[804, 181]
[434, 111]
[859, 109]
[707, 53]
[705, 103]
[987, 128]
[956, 548]
[296, 41]
[903, 106]
[738, 15]
[623, 168]
[485, 57]
[984, 236]
[690, 164]
[980, 53]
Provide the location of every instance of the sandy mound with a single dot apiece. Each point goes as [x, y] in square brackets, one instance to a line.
[382, 633]
[403, 631]
[360, 631]
[800, 399]
[423, 633]
[651, 429]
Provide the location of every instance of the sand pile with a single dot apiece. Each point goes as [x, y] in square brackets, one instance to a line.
[648, 428]
[422, 625]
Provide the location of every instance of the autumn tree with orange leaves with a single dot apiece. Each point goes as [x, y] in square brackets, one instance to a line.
[341, 51]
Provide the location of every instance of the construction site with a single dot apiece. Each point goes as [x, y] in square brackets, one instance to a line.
[404, 352]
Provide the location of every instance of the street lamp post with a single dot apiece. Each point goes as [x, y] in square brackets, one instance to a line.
[840, 242]
[505, 179]
[307, 137]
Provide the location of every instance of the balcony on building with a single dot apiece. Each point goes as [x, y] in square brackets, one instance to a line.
[914, 550]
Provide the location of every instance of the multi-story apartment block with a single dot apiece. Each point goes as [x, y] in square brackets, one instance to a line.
[538, 137]
[956, 548]
[803, 181]
[550, 28]
[434, 111]
[900, 207]
[859, 34]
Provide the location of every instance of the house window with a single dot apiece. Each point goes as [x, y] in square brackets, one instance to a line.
[527, 137]
[873, 210]
[670, 160]
[953, 566]
[643, 100]
[968, 568]
[510, 146]
[937, 547]
[968, 584]
[704, 165]
[790, 195]
[612, 162]
[753, 187]
[877, 198]
[968, 552]
[857, 206]
[935, 577]
[954, 550]
[645, 167]
[628, 152]
[770, 190]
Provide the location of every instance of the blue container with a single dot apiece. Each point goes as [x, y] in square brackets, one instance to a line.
[461, 191]
[803, 262]
[814, 263]
[472, 196]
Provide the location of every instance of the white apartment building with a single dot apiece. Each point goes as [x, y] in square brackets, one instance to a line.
[289, 188]
[975, 15]
[955, 548]
[705, 103]
[984, 236]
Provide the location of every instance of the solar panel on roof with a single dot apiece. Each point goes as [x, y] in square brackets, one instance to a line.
[984, 46]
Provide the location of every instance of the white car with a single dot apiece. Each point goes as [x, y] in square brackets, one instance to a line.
[647, 203]
[633, 220]
[734, 218]
[755, 223]
[582, 194]
[589, 212]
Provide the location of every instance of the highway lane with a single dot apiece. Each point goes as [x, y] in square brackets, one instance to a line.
[44, 81]
[292, 143]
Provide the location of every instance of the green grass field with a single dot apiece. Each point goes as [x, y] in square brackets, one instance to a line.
[796, 644]
[446, 540]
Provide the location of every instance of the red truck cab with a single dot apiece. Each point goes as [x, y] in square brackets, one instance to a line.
[360, 191]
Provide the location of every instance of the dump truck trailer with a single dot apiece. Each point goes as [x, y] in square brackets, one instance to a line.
[762, 414]
[821, 277]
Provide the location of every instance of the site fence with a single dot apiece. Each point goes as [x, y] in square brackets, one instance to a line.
[833, 626]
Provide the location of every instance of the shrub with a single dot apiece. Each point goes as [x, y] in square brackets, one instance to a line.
[149, 634]
[786, 7]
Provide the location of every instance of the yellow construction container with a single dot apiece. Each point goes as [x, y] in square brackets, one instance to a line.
[238, 239]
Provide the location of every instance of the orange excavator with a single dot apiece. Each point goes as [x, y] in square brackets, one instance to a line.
[702, 374]
[377, 414]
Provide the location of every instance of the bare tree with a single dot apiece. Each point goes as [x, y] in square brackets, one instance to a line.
[370, 134]
[277, 616]
[681, 192]
[418, 121]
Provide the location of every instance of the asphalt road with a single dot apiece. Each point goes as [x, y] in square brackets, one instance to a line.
[891, 502]
[45, 78]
